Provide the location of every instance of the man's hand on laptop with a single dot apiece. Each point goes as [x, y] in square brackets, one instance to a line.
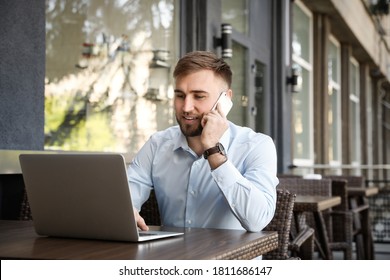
[140, 221]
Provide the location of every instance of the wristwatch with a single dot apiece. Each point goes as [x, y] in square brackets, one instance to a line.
[217, 149]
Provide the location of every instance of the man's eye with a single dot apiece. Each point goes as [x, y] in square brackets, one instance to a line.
[180, 96]
[200, 97]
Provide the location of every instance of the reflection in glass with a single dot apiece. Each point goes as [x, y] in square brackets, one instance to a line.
[301, 35]
[302, 101]
[354, 112]
[236, 13]
[301, 115]
[108, 73]
[334, 102]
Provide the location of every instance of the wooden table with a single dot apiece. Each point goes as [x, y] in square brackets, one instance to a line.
[18, 240]
[361, 191]
[310, 203]
[317, 204]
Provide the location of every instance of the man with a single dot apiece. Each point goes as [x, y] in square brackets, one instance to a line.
[206, 172]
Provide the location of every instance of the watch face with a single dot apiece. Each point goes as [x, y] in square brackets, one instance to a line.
[221, 149]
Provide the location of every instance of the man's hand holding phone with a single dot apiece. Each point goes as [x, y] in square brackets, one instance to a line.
[214, 126]
[214, 123]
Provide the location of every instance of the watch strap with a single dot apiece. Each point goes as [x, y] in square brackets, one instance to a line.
[213, 150]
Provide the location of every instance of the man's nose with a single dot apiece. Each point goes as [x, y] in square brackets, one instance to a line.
[188, 104]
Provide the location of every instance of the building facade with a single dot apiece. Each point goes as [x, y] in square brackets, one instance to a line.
[97, 75]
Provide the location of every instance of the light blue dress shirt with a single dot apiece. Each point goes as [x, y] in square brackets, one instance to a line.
[240, 194]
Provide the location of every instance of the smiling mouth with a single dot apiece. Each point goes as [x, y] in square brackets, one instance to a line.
[190, 118]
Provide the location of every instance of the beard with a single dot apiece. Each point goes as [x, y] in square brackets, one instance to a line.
[190, 130]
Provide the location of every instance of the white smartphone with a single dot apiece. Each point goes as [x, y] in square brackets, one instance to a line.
[225, 103]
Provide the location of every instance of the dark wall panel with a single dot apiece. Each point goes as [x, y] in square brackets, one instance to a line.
[22, 74]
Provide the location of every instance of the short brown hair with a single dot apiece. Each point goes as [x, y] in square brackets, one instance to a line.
[203, 60]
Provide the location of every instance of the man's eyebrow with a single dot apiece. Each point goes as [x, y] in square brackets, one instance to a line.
[199, 91]
[192, 91]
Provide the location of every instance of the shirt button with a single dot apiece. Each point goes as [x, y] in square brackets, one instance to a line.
[192, 192]
[189, 222]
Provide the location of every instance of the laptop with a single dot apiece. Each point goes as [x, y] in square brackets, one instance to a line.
[84, 195]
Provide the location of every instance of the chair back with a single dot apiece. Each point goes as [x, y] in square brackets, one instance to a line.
[150, 212]
[339, 188]
[301, 186]
[352, 180]
[342, 229]
[25, 210]
[314, 187]
[281, 222]
[338, 221]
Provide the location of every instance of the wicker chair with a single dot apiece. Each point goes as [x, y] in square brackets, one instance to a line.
[281, 223]
[25, 210]
[342, 221]
[149, 211]
[359, 207]
[301, 244]
[336, 220]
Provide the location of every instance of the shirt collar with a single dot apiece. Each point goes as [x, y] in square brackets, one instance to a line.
[181, 141]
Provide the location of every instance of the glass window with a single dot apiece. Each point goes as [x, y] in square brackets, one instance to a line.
[302, 117]
[334, 105]
[301, 39]
[302, 101]
[108, 73]
[236, 13]
[354, 112]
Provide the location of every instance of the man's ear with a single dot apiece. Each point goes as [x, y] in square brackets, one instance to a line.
[229, 93]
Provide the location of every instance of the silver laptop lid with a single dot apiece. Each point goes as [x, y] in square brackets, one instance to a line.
[80, 195]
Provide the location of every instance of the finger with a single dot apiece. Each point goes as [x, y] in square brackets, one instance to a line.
[203, 121]
[141, 224]
[139, 220]
[220, 111]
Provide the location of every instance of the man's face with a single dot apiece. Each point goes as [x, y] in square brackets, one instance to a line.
[195, 94]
